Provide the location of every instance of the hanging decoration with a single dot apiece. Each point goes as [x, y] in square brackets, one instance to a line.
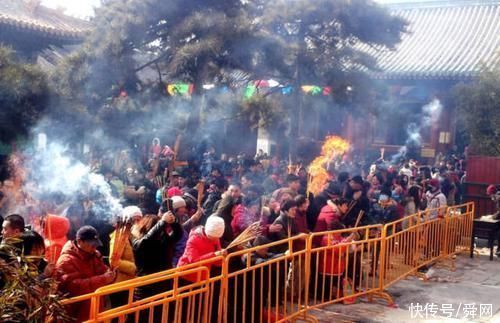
[287, 90]
[311, 89]
[250, 90]
[182, 89]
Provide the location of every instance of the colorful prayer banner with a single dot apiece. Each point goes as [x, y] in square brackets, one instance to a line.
[186, 89]
[287, 90]
[183, 89]
[311, 89]
[316, 90]
[266, 83]
[250, 91]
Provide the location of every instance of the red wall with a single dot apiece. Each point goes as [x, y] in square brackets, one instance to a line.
[481, 172]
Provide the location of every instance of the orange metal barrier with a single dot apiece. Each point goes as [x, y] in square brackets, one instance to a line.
[267, 283]
[167, 296]
[425, 240]
[283, 280]
[459, 225]
[344, 265]
[166, 304]
[405, 251]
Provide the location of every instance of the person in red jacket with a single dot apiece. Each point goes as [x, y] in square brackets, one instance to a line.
[81, 270]
[244, 215]
[332, 263]
[55, 230]
[203, 243]
[330, 216]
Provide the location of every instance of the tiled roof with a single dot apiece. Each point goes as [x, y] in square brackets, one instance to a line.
[444, 41]
[40, 19]
[49, 57]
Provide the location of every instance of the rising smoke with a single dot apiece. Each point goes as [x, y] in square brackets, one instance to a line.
[53, 174]
[430, 114]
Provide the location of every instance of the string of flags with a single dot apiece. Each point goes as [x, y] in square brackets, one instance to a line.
[250, 90]
[182, 89]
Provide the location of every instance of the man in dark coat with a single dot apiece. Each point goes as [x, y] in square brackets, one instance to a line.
[231, 198]
[286, 220]
[356, 194]
[218, 186]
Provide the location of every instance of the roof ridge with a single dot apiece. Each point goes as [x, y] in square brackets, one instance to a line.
[61, 14]
[463, 41]
[441, 4]
[16, 13]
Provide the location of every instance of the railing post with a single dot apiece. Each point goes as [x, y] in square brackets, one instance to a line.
[307, 265]
[222, 312]
[94, 308]
[444, 245]
[383, 257]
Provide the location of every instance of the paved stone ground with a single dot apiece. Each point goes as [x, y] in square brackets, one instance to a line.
[475, 281]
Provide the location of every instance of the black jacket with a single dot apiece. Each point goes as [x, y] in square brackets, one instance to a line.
[317, 204]
[289, 230]
[209, 205]
[155, 250]
[224, 210]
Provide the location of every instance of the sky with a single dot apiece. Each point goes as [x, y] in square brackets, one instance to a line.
[84, 8]
[77, 8]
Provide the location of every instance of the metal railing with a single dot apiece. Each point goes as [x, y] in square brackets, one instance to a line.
[283, 280]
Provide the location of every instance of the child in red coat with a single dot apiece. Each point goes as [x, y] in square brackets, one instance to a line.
[203, 243]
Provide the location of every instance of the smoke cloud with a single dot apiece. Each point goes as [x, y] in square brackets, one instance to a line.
[54, 174]
[430, 114]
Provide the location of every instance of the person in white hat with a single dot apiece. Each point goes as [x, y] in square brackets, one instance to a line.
[204, 243]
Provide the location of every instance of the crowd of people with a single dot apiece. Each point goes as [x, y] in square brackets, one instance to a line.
[178, 216]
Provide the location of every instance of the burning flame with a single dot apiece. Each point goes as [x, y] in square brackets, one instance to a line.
[333, 149]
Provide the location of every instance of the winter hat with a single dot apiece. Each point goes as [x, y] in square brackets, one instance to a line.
[89, 234]
[260, 241]
[215, 226]
[174, 191]
[334, 188]
[434, 183]
[491, 190]
[357, 179]
[178, 202]
[386, 190]
[130, 212]
[191, 194]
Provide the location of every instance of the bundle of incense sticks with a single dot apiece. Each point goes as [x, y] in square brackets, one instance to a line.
[247, 235]
[360, 216]
[351, 205]
[201, 189]
[308, 188]
[159, 181]
[121, 236]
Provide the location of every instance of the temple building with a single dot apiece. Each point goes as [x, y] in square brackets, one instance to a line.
[37, 33]
[448, 42]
